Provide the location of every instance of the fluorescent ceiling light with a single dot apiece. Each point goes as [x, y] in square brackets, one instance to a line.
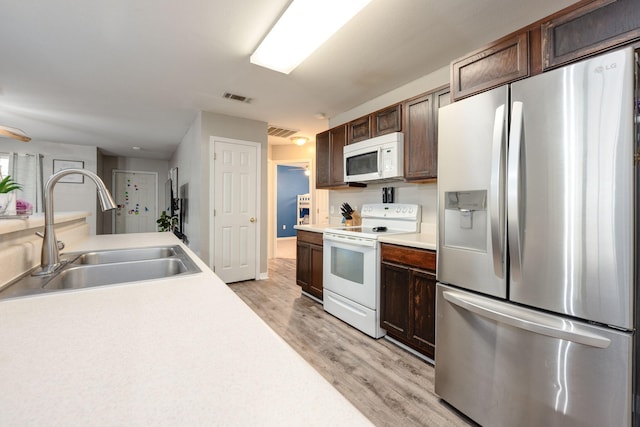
[301, 29]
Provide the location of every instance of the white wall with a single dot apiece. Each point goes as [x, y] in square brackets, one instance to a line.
[193, 159]
[423, 84]
[66, 196]
[187, 160]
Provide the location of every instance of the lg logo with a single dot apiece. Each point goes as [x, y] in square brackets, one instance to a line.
[602, 69]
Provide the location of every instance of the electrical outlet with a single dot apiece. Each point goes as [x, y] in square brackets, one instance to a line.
[332, 210]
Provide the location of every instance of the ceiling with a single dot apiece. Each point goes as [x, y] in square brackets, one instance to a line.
[122, 73]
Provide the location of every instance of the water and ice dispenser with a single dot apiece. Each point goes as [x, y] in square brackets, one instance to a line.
[465, 220]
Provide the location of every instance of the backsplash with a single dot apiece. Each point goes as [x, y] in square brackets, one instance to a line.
[425, 195]
[20, 247]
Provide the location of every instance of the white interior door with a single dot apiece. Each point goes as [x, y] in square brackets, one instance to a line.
[235, 221]
[135, 194]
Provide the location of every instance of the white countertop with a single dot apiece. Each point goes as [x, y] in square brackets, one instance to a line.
[175, 351]
[316, 228]
[9, 225]
[424, 240]
[415, 240]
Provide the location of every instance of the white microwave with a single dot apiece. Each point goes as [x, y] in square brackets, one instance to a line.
[376, 159]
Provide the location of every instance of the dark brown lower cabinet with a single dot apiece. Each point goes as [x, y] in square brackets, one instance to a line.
[408, 296]
[309, 262]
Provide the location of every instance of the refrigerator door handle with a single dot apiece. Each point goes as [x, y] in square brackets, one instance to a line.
[496, 191]
[513, 189]
[561, 329]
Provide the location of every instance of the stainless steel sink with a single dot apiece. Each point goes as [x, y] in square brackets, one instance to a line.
[100, 268]
[85, 276]
[123, 255]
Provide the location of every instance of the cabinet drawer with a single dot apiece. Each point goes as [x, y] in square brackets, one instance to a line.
[310, 237]
[414, 257]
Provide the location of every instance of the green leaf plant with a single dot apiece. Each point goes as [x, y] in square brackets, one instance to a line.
[8, 185]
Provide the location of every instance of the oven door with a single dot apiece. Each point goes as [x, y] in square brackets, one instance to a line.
[350, 268]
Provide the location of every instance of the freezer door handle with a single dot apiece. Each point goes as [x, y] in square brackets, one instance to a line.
[496, 192]
[527, 320]
[513, 189]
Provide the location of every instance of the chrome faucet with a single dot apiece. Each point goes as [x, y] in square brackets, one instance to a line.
[50, 260]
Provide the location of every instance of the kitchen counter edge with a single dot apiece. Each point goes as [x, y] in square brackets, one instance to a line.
[153, 352]
[414, 240]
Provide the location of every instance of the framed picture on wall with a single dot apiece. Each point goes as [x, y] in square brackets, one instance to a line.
[59, 165]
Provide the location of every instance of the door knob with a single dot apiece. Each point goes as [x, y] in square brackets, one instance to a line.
[252, 219]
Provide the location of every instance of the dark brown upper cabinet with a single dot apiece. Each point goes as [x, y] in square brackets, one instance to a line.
[586, 28]
[323, 160]
[419, 144]
[387, 120]
[501, 62]
[359, 129]
[593, 28]
[375, 124]
[421, 134]
[330, 159]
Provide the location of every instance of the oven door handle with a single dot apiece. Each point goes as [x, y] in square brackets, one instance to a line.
[349, 240]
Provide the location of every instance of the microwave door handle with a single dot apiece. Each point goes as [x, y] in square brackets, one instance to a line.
[379, 161]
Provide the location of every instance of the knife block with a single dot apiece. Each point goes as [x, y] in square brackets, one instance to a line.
[355, 220]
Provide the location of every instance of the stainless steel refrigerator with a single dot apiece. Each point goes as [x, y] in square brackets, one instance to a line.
[537, 249]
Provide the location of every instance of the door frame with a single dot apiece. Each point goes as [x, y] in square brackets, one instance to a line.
[273, 199]
[212, 221]
[113, 189]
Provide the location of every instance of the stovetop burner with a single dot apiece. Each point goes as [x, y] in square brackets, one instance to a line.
[383, 218]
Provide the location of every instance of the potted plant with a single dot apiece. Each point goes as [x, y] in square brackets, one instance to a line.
[166, 222]
[8, 196]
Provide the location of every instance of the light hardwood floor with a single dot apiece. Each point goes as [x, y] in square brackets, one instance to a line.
[387, 384]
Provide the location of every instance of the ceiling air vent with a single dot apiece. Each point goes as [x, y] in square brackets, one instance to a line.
[280, 132]
[236, 97]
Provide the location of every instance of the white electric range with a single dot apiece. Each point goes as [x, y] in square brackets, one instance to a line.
[351, 263]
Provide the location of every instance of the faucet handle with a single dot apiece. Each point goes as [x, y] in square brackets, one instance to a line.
[59, 243]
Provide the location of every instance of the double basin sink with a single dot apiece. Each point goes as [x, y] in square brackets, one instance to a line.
[108, 267]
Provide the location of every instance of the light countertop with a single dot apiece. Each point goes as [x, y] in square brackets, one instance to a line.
[174, 351]
[316, 228]
[415, 240]
[9, 225]
[424, 240]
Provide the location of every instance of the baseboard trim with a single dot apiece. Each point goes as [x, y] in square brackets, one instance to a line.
[410, 350]
[306, 294]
